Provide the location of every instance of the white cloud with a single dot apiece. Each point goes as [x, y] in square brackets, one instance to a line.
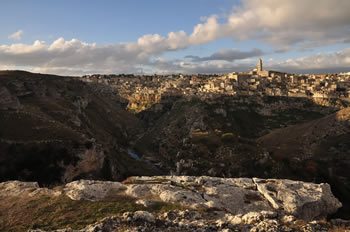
[229, 55]
[77, 57]
[297, 24]
[281, 23]
[208, 31]
[286, 23]
[319, 63]
[322, 62]
[16, 35]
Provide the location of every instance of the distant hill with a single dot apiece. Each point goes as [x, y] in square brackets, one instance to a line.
[302, 140]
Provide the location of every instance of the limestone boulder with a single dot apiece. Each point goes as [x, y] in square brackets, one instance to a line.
[239, 195]
[143, 216]
[18, 188]
[303, 200]
[91, 189]
[15, 188]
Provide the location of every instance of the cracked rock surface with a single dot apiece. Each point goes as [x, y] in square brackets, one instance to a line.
[211, 203]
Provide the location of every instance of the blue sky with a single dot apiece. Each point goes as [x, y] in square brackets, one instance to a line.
[106, 21]
[101, 27]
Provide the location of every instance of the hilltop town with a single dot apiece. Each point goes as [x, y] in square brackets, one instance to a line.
[142, 91]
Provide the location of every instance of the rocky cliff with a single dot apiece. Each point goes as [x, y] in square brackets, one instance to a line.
[169, 203]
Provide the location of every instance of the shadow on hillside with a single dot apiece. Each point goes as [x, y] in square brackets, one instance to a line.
[59, 121]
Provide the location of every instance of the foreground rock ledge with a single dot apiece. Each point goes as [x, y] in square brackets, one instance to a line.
[237, 196]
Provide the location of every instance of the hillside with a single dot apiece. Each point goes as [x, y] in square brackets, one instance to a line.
[191, 136]
[55, 129]
[317, 151]
[302, 140]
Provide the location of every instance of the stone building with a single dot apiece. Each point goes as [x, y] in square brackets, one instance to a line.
[259, 69]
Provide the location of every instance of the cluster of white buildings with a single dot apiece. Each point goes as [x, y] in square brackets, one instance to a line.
[141, 91]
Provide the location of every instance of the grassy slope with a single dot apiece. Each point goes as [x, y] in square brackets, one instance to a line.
[44, 132]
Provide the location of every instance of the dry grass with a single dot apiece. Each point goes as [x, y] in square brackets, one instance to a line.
[23, 213]
[339, 229]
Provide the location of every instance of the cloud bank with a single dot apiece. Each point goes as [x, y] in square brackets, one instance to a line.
[229, 55]
[284, 25]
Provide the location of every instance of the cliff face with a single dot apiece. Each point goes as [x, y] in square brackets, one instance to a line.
[183, 203]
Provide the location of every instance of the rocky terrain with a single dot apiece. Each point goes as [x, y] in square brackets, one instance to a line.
[192, 132]
[170, 203]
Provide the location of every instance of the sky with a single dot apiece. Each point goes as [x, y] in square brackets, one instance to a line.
[77, 37]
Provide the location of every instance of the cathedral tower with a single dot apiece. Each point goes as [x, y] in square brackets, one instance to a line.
[259, 66]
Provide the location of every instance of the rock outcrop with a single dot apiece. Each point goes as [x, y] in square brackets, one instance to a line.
[303, 200]
[91, 190]
[18, 188]
[237, 196]
[201, 203]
